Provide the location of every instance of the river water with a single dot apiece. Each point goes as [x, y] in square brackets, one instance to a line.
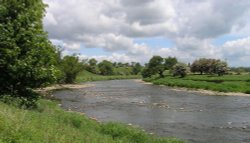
[194, 117]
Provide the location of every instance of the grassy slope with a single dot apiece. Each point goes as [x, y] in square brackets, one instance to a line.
[49, 123]
[227, 83]
[87, 76]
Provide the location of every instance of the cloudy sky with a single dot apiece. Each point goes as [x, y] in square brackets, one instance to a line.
[135, 30]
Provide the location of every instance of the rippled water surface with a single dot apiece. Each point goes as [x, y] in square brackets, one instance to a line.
[193, 117]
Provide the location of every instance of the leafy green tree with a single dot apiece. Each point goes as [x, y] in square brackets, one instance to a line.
[170, 62]
[136, 68]
[155, 66]
[92, 66]
[71, 67]
[92, 62]
[27, 57]
[106, 68]
[180, 69]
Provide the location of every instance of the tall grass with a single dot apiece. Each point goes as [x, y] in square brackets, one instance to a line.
[50, 124]
[227, 83]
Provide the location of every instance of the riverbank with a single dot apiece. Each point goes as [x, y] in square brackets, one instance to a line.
[49, 123]
[229, 85]
[86, 76]
[49, 89]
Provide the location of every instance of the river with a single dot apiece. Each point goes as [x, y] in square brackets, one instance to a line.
[194, 117]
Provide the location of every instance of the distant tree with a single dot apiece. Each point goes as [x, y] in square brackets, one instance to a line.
[239, 70]
[203, 65]
[209, 66]
[146, 72]
[115, 64]
[119, 64]
[27, 57]
[106, 68]
[92, 62]
[155, 66]
[136, 68]
[92, 66]
[180, 69]
[71, 67]
[221, 68]
[170, 62]
[126, 65]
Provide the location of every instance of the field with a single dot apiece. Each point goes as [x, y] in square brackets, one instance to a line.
[49, 123]
[226, 83]
[87, 76]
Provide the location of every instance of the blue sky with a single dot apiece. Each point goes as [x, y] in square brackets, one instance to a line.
[129, 30]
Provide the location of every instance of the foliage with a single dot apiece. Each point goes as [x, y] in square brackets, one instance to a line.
[180, 69]
[209, 66]
[155, 66]
[71, 67]
[170, 62]
[92, 62]
[49, 123]
[240, 70]
[220, 68]
[92, 66]
[106, 68]
[136, 68]
[27, 57]
[226, 83]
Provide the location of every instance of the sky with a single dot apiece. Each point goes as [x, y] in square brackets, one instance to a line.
[135, 30]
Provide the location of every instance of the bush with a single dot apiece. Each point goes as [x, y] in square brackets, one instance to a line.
[71, 66]
[27, 57]
[21, 102]
[180, 69]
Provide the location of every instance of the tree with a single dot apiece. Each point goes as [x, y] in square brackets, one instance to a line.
[106, 68]
[180, 69]
[71, 67]
[136, 68]
[92, 66]
[92, 62]
[209, 66]
[200, 65]
[221, 68]
[170, 62]
[155, 66]
[27, 57]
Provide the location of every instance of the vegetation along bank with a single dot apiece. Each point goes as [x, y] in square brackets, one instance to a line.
[208, 74]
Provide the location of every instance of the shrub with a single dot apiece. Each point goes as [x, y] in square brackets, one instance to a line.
[180, 69]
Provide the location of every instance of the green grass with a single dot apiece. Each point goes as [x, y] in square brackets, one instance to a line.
[87, 76]
[226, 83]
[48, 123]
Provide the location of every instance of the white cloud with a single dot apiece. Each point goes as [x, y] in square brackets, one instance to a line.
[115, 57]
[237, 52]
[112, 42]
[114, 25]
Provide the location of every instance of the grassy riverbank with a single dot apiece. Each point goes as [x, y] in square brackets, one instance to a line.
[226, 83]
[87, 76]
[49, 123]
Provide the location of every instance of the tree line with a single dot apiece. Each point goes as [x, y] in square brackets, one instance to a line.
[157, 65]
[106, 67]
